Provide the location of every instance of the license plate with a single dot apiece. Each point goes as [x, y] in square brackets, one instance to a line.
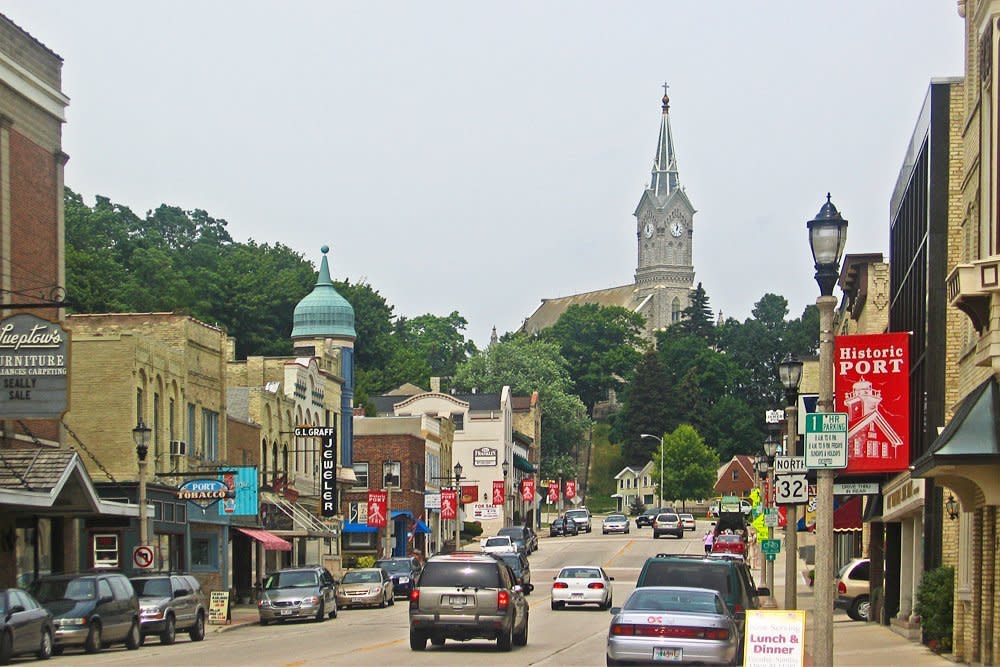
[577, 595]
[457, 600]
[666, 654]
[286, 612]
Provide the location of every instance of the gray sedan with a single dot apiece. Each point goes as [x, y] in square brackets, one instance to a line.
[673, 624]
[615, 523]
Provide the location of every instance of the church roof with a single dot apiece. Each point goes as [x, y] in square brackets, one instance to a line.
[550, 310]
[323, 312]
[665, 178]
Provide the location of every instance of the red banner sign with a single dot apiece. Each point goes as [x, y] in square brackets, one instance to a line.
[553, 492]
[528, 490]
[570, 489]
[449, 503]
[377, 508]
[871, 384]
[470, 493]
[498, 492]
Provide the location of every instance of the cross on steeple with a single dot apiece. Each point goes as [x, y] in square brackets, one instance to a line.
[665, 86]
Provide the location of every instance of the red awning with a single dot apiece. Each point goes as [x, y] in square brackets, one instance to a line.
[848, 515]
[270, 541]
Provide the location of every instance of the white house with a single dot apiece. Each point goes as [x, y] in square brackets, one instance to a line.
[635, 483]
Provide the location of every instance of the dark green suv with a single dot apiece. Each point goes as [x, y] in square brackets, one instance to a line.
[731, 578]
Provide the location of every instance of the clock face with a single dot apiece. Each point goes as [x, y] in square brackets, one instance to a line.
[676, 228]
[648, 230]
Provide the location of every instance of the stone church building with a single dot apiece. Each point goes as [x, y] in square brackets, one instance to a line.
[664, 274]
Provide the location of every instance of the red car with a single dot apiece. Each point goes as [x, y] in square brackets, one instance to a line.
[730, 544]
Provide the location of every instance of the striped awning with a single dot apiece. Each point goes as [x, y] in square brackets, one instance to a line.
[270, 541]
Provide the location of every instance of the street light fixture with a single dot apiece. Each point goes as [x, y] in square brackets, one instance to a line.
[790, 372]
[458, 503]
[647, 435]
[505, 466]
[770, 446]
[951, 506]
[827, 238]
[142, 434]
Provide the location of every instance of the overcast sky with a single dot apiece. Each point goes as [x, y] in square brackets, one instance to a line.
[479, 156]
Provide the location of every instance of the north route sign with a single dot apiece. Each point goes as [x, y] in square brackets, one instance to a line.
[826, 440]
[34, 363]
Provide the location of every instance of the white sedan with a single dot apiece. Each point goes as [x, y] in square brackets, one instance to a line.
[582, 584]
[498, 544]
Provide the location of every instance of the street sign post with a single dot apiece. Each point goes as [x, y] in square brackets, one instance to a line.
[789, 465]
[770, 546]
[791, 489]
[826, 440]
[142, 557]
[771, 517]
[855, 488]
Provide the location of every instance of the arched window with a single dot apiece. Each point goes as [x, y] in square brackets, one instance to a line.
[263, 460]
[675, 311]
[274, 461]
[284, 459]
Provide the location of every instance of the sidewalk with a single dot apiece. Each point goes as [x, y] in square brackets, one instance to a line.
[855, 643]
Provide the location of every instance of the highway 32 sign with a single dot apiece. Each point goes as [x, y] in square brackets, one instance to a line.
[826, 440]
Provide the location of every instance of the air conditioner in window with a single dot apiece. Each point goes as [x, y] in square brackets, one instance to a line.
[178, 448]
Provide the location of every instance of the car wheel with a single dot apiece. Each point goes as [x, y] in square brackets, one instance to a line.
[133, 640]
[197, 631]
[382, 603]
[45, 647]
[656, 535]
[320, 613]
[556, 606]
[505, 641]
[392, 600]
[58, 650]
[521, 638]
[418, 640]
[437, 640]
[6, 648]
[93, 643]
[169, 634]
[860, 608]
[333, 614]
[264, 621]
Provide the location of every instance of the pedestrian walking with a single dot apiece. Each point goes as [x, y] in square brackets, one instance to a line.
[709, 540]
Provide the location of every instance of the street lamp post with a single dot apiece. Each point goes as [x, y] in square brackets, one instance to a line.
[790, 372]
[770, 449]
[458, 504]
[760, 465]
[647, 435]
[507, 500]
[827, 238]
[141, 435]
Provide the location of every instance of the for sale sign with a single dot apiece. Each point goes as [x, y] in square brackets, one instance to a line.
[377, 508]
[872, 386]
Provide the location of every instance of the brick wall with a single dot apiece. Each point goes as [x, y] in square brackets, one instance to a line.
[407, 449]
[244, 442]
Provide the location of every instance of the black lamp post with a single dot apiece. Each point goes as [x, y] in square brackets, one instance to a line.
[790, 373]
[505, 468]
[458, 503]
[142, 434]
[827, 238]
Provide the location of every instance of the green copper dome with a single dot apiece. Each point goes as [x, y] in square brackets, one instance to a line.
[323, 312]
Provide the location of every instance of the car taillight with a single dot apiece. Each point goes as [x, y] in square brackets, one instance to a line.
[415, 598]
[621, 630]
[680, 632]
[560, 584]
[503, 600]
[842, 588]
[737, 609]
[596, 584]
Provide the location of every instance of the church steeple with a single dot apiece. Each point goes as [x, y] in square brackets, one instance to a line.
[664, 179]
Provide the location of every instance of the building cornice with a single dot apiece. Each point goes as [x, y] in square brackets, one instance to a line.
[28, 85]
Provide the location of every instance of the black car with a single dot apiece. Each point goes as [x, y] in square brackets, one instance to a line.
[404, 573]
[90, 610]
[523, 538]
[563, 526]
[646, 518]
[25, 626]
[519, 565]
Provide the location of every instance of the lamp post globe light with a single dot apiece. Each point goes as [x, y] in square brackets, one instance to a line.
[827, 238]
[141, 435]
[647, 435]
[790, 373]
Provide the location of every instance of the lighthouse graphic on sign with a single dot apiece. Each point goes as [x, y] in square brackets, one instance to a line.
[870, 435]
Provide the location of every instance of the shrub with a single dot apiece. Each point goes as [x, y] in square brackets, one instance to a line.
[637, 507]
[365, 561]
[472, 528]
[935, 606]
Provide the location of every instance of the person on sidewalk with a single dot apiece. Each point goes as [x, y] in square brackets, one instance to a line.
[709, 540]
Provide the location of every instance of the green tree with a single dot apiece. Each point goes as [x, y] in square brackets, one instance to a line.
[697, 317]
[438, 340]
[601, 344]
[646, 408]
[689, 465]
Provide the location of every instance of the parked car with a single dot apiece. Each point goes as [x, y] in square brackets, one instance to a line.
[467, 595]
[646, 518]
[853, 588]
[673, 624]
[582, 517]
[667, 524]
[524, 538]
[298, 592]
[90, 610]
[563, 526]
[518, 563]
[582, 584]
[366, 587]
[498, 544]
[615, 523]
[403, 572]
[687, 520]
[731, 578]
[168, 603]
[731, 544]
[25, 626]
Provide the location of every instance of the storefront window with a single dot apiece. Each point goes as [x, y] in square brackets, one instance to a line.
[181, 515]
[204, 552]
[169, 552]
[105, 549]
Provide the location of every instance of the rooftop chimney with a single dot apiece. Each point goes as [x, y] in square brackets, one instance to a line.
[436, 385]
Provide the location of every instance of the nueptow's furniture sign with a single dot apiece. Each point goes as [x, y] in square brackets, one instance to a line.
[34, 365]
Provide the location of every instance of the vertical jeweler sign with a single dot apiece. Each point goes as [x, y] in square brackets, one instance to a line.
[872, 385]
[328, 465]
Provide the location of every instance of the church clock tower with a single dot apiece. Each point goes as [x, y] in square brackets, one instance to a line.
[664, 274]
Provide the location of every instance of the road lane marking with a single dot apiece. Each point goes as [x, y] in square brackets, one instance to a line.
[618, 553]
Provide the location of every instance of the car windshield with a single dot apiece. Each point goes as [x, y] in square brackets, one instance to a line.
[713, 576]
[362, 577]
[729, 539]
[513, 533]
[460, 575]
[293, 579]
[395, 566]
[65, 589]
[580, 573]
[616, 517]
[683, 601]
[513, 561]
[577, 514]
[498, 541]
[152, 588]
[667, 517]
[687, 516]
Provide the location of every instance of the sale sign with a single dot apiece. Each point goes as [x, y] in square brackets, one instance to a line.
[498, 492]
[377, 508]
[528, 490]
[553, 492]
[570, 489]
[871, 384]
[449, 503]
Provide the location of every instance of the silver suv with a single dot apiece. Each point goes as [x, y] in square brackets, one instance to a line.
[467, 595]
[298, 592]
[581, 515]
[168, 603]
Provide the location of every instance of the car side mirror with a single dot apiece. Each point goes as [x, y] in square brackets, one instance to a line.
[611, 578]
[615, 611]
[554, 578]
[529, 587]
[764, 592]
[15, 609]
[518, 588]
[104, 599]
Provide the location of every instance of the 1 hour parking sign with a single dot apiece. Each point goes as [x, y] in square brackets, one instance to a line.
[826, 440]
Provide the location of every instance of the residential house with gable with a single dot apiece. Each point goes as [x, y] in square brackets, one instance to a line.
[736, 477]
[632, 484]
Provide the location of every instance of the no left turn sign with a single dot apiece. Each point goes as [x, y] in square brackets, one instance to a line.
[142, 558]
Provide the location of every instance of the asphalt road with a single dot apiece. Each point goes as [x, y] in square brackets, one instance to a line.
[574, 636]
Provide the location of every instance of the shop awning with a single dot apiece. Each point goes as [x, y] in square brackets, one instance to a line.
[848, 515]
[349, 527]
[398, 513]
[973, 434]
[421, 527]
[523, 464]
[270, 541]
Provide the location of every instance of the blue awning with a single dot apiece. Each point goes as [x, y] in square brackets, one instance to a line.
[421, 527]
[349, 527]
[398, 513]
